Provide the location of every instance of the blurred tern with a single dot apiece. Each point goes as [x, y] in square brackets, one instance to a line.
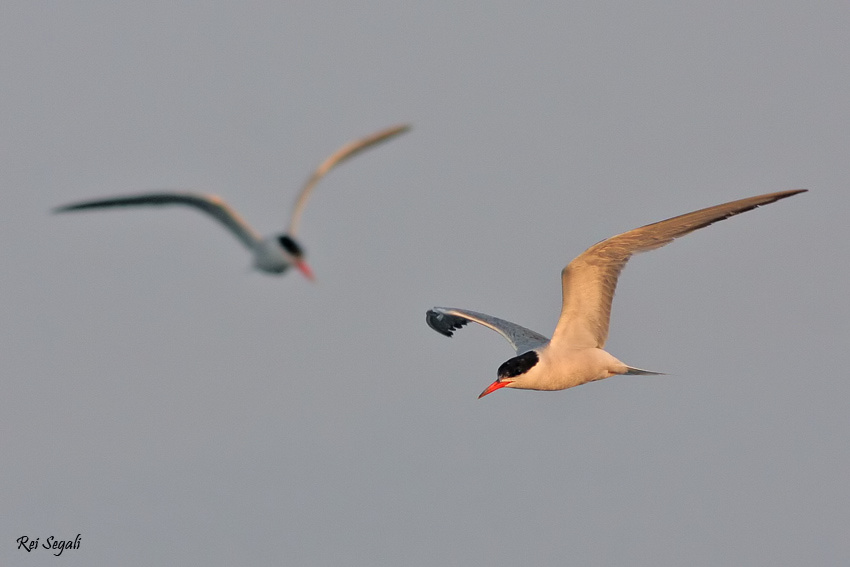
[273, 254]
[574, 355]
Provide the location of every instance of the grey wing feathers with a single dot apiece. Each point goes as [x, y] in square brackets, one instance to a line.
[589, 281]
[347, 151]
[446, 320]
[210, 204]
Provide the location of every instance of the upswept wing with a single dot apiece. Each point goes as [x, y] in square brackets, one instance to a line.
[210, 204]
[347, 151]
[446, 320]
[589, 281]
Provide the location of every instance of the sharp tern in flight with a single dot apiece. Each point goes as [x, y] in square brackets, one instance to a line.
[273, 254]
[574, 355]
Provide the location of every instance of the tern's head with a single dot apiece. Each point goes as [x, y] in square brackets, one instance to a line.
[295, 254]
[512, 371]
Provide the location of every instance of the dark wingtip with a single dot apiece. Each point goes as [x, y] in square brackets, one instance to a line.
[72, 207]
[791, 193]
[444, 323]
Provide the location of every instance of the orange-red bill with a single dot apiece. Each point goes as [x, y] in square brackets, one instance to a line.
[493, 387]
[305, 269]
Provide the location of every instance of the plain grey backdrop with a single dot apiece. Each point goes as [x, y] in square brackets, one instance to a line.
[175, 408]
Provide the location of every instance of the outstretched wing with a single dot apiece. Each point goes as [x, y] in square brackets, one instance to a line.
[446, 320]
[589, 281]
[210, 204]
[349, 150]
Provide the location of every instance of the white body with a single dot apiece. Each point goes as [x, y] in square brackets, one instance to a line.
[270, 257]
[562, 368]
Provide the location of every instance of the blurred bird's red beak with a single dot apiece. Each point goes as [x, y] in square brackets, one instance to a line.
[493, 387]
[305, 269]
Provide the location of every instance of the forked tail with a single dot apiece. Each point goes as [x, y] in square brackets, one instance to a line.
[639, 372]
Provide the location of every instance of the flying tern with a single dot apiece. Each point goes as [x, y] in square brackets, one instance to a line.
[273, 254]
[574, 355]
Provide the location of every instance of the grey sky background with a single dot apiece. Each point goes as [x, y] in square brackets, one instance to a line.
[175, 408]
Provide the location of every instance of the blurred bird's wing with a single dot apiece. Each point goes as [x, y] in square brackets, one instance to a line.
[210, 204]
[347, 151]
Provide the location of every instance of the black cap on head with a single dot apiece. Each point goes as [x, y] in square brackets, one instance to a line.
[290, 245]
[518, 365]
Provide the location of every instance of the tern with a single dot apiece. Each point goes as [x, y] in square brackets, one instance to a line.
[574, 355]
[273, 254]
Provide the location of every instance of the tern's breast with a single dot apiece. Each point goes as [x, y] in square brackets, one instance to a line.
[566, 368]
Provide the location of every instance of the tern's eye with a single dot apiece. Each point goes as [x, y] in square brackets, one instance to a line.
[518, 365]
[290, 245]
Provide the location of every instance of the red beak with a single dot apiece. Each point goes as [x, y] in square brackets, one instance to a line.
[493, 387]
[305, 269]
